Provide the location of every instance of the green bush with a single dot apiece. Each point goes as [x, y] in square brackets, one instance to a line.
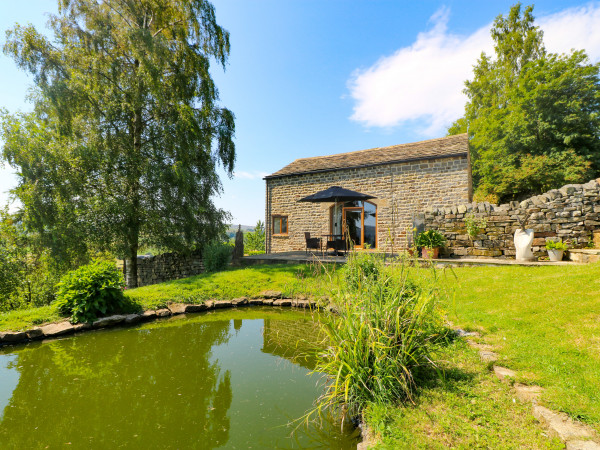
[216, 256]
[27, 273]
[89, 291]
[255, 241]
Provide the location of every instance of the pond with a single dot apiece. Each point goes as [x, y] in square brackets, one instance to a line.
[223, 379]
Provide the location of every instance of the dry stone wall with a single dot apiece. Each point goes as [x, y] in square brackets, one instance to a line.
[402, 191]
[570, 214]
[165, 267]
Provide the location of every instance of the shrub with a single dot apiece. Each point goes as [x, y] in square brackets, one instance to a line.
[430, 239]
[89, 291]
[379, 340]
[27, 273]
[216, 256]
[474, 226]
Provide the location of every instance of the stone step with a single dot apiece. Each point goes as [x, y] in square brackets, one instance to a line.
[583, 255]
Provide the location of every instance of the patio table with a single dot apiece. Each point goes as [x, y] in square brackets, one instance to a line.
[336, 242]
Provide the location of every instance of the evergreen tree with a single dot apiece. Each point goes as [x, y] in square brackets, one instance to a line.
[255, 240]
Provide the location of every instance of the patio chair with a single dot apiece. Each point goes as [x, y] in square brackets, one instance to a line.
[313, 243]
[338, 244]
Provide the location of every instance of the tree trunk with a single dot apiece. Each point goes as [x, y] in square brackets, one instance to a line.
[132, 278]
[134, 195]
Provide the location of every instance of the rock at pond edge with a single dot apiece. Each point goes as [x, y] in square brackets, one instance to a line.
[57, 329]
[12, 336]
[271, 294]
[108, 321]
[164, 312]
[195, 308]
[176, 308]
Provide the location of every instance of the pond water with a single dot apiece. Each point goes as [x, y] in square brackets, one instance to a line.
[224, 379]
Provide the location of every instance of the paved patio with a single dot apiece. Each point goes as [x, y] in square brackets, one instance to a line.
[300, 257]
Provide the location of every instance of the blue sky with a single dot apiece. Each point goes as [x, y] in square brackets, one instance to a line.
[317, 77]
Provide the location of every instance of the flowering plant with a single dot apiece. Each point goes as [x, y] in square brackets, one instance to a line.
[430, 239]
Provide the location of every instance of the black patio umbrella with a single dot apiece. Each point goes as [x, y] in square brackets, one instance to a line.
[336, 194]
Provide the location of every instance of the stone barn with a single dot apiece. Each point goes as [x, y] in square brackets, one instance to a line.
[403, 179]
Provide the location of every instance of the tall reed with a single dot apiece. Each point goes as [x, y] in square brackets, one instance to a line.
[379, 339]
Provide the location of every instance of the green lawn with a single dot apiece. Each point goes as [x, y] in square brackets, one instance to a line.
[24, 319]
[544, 322]
[466, 408]
[291, 280]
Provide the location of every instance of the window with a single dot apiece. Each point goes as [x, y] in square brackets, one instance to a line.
[280, 225]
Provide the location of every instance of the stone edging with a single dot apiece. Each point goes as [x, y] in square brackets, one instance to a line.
[575, 435]
[59, 329]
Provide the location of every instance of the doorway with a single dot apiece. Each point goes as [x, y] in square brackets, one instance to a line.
[358, 219]
[352, 220]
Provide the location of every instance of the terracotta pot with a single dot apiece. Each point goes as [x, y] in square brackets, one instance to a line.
[430, 253]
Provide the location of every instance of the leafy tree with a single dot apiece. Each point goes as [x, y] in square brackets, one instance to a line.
[27, 275]
[12, 258]
[533, 117]
[126, 133]
[255, 240]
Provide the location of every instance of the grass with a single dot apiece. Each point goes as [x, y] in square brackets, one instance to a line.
[290, 279]
[23, 319]
[544, 322]
[381, 336]
[467, 408]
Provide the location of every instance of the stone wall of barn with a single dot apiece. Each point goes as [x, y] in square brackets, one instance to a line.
[165, 267]
[402, 191]
[570, 214]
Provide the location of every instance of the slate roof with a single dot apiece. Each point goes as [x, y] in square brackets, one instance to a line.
[445, 147]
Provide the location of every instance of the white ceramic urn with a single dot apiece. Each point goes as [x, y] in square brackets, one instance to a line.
[523, 241]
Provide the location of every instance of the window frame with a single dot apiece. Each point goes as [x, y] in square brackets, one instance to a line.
[280, 217]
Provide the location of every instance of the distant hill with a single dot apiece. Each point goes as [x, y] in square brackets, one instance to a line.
[232, 229]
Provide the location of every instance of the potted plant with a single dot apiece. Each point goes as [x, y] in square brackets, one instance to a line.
[430, 242]
[556, 250]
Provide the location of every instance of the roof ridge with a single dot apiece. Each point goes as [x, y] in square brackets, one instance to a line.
[447, 146]
[407, 144]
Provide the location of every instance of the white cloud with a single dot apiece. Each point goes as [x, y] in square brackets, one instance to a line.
[574, 28]
[424, 81]
[249, 175]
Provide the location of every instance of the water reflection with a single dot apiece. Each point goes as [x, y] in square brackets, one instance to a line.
[118, 387]
[294, 341]
[9, 378]
[210, 381]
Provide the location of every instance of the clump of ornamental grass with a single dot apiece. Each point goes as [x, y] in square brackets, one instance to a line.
[378, 341]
